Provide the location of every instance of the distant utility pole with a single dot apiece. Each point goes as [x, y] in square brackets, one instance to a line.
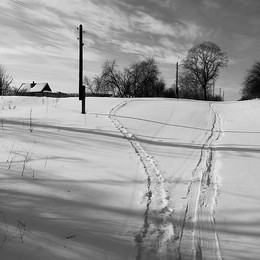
[81, 87]
[177, 78]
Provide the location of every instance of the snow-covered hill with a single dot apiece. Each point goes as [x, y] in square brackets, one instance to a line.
[131, 179]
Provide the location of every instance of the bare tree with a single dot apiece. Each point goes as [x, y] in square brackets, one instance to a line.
[189, 87]
[251, 83]
[5, 81]
[144, 76]
[89, 84]
[100, 86]
[204, 61]
[138, 80]
[112, 78]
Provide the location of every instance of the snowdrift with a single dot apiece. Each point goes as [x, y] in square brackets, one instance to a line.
[131, 179]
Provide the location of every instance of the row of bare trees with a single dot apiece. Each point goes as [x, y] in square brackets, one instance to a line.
[140, 79]
[201, 68]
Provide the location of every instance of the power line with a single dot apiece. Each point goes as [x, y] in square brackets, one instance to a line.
[37, 26]
[65, 37]
[59, 20]
[35, 9]
[60, 35]
[47, 15]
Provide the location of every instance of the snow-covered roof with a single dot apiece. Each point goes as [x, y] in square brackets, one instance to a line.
[39, 87]
[34, 87]
[26, 87]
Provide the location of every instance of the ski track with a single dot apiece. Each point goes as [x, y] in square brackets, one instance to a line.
[157, 233]
[199, 239]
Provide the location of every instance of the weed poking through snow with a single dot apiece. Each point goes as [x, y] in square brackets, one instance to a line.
[11, 157]
[31, 123]
[21, 227]
[19, 157]
[27, 157]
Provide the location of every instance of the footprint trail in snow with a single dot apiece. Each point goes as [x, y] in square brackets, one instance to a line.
[197, 238]
[157, 234]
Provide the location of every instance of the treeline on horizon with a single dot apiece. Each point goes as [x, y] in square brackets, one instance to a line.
[199, 72]
[200, 69]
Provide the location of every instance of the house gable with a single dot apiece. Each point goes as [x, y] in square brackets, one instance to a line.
[34, 87]
[41, 87]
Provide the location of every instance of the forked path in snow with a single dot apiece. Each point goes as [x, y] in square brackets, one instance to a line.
[196, 239]
[157, 234]
[199, 239]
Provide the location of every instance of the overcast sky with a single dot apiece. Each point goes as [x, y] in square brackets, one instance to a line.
[39, 38]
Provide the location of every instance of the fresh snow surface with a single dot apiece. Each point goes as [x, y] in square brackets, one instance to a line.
[132, 179]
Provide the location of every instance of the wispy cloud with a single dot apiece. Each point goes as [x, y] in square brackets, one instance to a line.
[146, 23]
[211, 4]
[160, 53]
[166, 3]
[104, 20]
[179, 47]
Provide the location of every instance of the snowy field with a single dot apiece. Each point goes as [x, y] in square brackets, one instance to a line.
[132, 179]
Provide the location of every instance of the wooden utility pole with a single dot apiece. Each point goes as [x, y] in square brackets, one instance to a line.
[177, 77]
[80, 60]
[82, 95]
[83, 103]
